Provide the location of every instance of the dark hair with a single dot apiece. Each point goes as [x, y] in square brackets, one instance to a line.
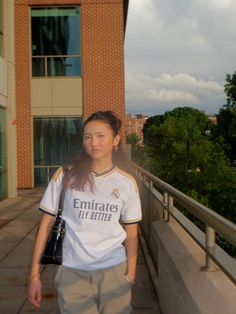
[78, 172]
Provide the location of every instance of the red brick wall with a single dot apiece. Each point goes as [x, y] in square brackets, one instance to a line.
[23, 112]
[134, 124]
[102, 42]
[103, 56]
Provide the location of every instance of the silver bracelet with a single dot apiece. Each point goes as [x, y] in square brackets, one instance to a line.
[132, 282]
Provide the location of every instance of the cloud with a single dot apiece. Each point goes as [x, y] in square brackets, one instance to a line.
[179, 52]
[172, 96]
[162, 92]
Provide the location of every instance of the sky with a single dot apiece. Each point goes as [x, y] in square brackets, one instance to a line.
[177, 53]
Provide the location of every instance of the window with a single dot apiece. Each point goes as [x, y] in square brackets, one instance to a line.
[56, 141]
[55, 41]
[1, 28]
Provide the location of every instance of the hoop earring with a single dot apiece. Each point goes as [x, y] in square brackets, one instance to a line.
[115, 149]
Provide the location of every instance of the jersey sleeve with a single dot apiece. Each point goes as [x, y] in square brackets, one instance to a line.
[50, 201]
[131, 212]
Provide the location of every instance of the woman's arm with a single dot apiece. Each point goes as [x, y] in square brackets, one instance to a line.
[34, 290]
[131, 246]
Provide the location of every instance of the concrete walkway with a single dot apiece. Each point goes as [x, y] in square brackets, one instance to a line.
[19, 219]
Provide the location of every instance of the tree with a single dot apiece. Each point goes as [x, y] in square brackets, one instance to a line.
[182, 153]
[132, 139]
[225, 131]
[230, 90]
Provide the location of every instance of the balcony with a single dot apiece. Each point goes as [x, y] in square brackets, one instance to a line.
[181, 269]
[193, 274]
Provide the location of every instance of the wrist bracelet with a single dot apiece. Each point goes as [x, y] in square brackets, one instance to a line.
[132, 282]
[33, 277]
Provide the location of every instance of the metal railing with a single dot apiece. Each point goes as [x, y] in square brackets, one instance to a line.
[47, 64]
[159, 200]
[49, 171]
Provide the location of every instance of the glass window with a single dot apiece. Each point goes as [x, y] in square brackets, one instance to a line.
[56, 41]
[56, 141]
[1, 27]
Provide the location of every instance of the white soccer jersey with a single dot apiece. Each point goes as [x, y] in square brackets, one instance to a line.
[94, 234]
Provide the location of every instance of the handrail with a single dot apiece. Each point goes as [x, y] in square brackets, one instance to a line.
[166, 196]
[47, 167]
[222, 226]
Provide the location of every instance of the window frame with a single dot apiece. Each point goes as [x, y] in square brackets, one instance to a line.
[46, 57]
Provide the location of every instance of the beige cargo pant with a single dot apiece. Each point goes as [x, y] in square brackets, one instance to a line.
[105, 291]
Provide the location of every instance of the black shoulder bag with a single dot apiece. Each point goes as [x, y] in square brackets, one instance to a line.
[52, 253]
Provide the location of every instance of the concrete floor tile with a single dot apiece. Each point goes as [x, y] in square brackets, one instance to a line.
[16, 245]
[8, 306]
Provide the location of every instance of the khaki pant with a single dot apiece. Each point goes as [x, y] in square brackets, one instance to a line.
[105, 291]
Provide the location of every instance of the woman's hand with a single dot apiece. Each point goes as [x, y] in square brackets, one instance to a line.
[34, 292]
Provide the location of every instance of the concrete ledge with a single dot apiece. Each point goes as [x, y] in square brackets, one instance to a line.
[183, 287]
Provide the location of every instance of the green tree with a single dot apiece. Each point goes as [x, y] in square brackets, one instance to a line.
[182, 153]
[230, 90]
[132, 139]
[225, 131]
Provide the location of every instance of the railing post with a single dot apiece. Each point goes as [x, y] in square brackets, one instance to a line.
[150, 208]
[48, 174]
[170, 203]
[166, 215]
[210, 246]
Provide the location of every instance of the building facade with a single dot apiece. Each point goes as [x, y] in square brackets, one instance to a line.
[8, 182]
[134, 125]
[69, 62]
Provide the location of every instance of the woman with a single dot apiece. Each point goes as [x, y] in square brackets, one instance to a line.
[101, 211]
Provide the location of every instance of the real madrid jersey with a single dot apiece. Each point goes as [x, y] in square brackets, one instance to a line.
[94, 233]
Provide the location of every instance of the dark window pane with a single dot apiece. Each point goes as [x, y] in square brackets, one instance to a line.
[38, 66]
[56, 140]
[42, 176]
[64, 66]
[55, 31]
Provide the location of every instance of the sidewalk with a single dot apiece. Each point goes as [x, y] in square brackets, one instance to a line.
[19, 219]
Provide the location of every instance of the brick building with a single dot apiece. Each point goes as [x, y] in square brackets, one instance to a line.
[134, 125]
[68, 60]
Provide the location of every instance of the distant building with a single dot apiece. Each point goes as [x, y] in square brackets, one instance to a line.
[212, 118]
[134, 125]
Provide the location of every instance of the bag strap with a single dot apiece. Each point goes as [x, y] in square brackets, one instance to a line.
[61, 201]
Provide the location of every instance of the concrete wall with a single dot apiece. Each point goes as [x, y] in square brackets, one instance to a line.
[7, 95]
[183, 287]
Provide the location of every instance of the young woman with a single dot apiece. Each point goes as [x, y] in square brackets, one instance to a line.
[101, 212]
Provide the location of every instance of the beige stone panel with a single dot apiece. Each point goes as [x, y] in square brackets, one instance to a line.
[67, 111]
[3, 101]
[41, 111]
[3, 77]
[67, 92]
[41, 94]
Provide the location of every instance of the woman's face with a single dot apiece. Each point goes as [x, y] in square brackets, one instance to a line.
[99, 140]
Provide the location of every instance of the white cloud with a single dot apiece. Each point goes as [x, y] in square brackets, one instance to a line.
[172, 96]
[180, 51]
[169, 90]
